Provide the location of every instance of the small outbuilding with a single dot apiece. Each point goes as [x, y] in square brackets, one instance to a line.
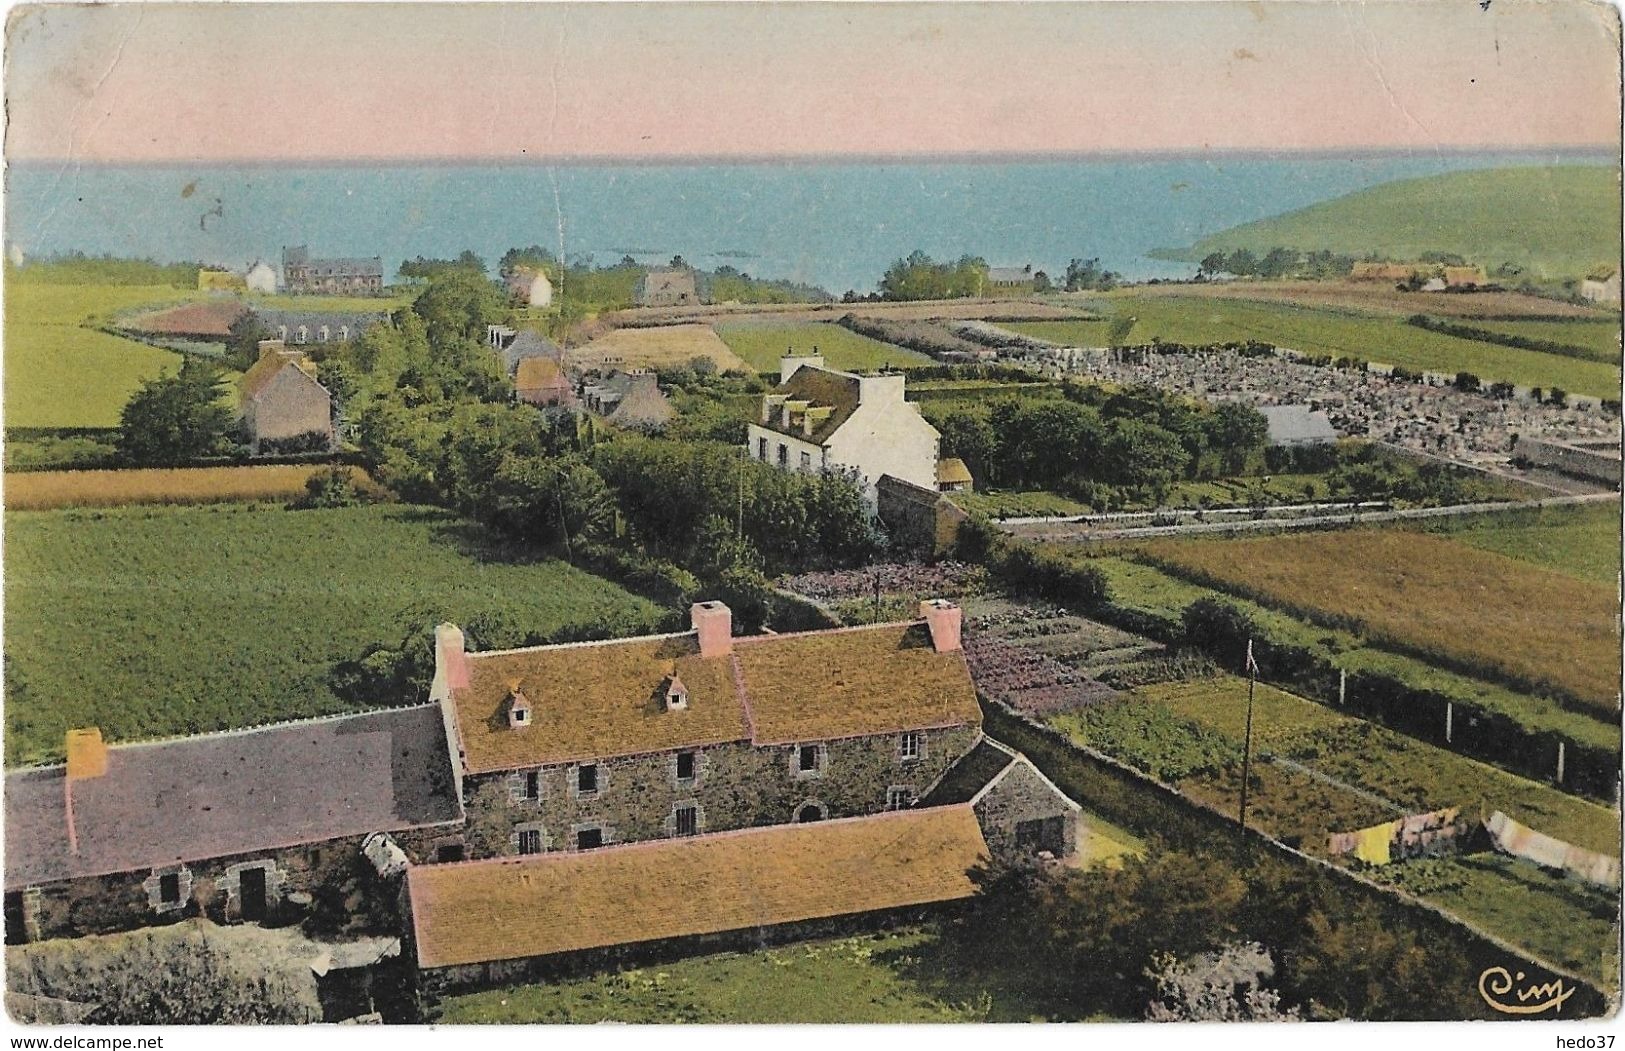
[1298, 425]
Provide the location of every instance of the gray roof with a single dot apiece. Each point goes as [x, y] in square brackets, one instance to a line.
[974, 771]
[216, 795]
[1297, 425]
[356, 321]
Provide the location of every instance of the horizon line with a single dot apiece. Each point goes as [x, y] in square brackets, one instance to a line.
[1609, 150]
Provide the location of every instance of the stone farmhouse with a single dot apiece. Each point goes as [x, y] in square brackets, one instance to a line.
[302, 274]
[280, 399]
[536, 365]
[557, 804]
[631, 399]
[1010, 280]
[820, 419]
[668, 288]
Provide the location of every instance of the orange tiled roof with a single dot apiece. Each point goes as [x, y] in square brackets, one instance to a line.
[594, 701]
[601, 700]
[845, 683]
[507, 909]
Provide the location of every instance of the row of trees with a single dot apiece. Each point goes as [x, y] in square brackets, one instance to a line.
[1140, 439]
[1277, 263]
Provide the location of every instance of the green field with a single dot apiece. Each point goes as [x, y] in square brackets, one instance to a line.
[904, 975]
[762, 343]
[1557, 221]
[151, 622]
[1600, 340]
[1198, 320]
[1583, 542]
[60, 373]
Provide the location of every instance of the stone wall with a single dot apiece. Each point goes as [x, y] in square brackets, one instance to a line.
[326, 886]
[1573, 460]
[921, 521]
[735, 786]
[1022, 795]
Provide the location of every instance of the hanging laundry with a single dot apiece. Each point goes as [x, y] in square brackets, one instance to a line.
[1375, 846]
[1521, 841]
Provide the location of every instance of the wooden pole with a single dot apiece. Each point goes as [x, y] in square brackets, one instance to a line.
[1247, 746]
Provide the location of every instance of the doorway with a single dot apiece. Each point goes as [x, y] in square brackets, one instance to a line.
[251, 896]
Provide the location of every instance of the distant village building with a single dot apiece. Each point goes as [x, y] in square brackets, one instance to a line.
[302, 327]
[1010, 280]
[631, 399]
[281, 401]
[530, 286]
[303, 275]
[668, 288]
[820, 419]
[261, 278]
[1601, 289]
[541, 381]
[209, 280]
[1298, 425]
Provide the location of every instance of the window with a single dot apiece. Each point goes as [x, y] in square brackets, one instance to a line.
[784, 455]
[530, 841]
[169, 888]
[533, 785]
[448, 852]
[589, 838]
[806, 461]
[908, 746]
[685, 766]
[899, 797]
[688, 821]
[761, 449]
[587, 778]
[807, 759]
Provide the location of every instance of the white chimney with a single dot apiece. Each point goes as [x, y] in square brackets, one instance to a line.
[713, 624]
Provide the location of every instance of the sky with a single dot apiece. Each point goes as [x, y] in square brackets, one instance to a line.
[289, 83]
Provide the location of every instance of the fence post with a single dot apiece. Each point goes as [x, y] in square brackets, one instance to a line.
[1449, 720]
[1560, 745]
[1342, 686]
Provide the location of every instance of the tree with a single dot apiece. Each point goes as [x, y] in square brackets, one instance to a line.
[1041, 282]
[1222, 986]
[334, 487]
[243, 340]
[177, 418]
[546, 501]
[1142, 454]
[1236, 431]
[459, 304]
[1212, 263]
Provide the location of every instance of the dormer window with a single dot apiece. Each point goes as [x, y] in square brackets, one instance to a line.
[518, 710]
[676, 694]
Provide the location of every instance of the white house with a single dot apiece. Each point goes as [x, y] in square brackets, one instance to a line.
[820, 419]
[531, 287]
[261, 278]
[1601, 291]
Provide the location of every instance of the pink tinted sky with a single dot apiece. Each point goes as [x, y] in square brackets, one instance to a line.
[226, 82]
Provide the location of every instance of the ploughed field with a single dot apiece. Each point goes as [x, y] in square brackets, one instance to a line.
[761, 343]
[152, 622]
[1473, 610]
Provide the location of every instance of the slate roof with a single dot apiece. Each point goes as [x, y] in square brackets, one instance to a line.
[215, 795]
[974, 771]
[666, 282]
[642, 403]
[821, 388]
[1297, 425]
[600, 700]
[357, 321]
[508, 909]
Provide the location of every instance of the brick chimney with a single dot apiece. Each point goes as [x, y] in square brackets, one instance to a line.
[944, 618]
[450, 662]
[87, 754]
[714, 624]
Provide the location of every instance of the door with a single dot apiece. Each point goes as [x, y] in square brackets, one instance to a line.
[251, 895]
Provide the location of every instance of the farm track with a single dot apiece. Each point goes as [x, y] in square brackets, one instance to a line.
[1073, 531]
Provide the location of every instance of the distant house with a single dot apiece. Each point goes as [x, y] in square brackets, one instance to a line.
[280, 400]
[541, 381]
[952, 475]
[630, 399]
[1383, 272]
[1601, 288]
[530, 286]
[220, 281]
[1010, 280]
[261, 278]
[668, 288]
[820, 419]
[304, 275]
[1297, 425]
[515, 345]
[301, 327]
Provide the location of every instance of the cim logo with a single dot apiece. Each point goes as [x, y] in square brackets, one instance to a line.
[1502, 991]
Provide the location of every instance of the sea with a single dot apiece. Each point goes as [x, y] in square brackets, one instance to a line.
[837, 225]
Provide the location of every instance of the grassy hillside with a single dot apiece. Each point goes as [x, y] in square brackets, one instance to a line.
[1556, 222]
